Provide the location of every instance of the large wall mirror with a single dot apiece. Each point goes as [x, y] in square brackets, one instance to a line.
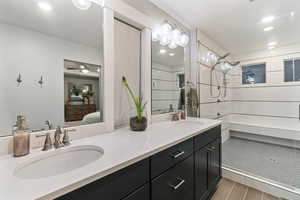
[168, 79]
[51, 64]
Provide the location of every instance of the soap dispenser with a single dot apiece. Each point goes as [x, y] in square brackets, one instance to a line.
[21, 138]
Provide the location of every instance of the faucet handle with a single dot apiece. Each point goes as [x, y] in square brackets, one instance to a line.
[48, 143]
[66, 138]
[57, 141]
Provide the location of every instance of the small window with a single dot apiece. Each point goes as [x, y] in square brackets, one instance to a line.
[254, 74]
[292, 70]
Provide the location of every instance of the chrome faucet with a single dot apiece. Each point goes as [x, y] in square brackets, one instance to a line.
[49, 125]
[57, 141]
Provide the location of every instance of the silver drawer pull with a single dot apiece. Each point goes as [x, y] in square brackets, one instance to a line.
[178, 154]
[211, 148]
[175, 187]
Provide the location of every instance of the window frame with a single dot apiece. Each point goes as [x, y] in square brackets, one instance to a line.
[294, 75]
[255, 64]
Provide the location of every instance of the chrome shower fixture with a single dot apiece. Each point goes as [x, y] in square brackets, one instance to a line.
[225, 67]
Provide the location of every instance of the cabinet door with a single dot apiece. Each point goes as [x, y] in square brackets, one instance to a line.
[115, 186]
[201, 171]
[214, 163]
[140, 194]
[175, 184]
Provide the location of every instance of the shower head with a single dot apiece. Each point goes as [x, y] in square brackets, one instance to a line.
[226, 67]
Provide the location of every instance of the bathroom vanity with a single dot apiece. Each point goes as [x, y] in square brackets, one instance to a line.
[186, 171]
[170, 160]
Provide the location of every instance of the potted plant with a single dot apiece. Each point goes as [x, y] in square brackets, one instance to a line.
[139, 122]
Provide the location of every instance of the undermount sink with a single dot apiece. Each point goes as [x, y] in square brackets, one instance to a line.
[58, 162]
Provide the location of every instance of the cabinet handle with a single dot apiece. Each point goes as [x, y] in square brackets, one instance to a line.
[180, 153]
[211, 149]
[175, 187]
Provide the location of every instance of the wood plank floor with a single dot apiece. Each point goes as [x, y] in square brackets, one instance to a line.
[229, 190]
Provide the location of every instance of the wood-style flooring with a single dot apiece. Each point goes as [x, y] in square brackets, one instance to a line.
[229, 190]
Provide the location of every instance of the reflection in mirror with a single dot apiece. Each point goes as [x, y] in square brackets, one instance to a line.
[168, 79]
[81, 92]
[51, 62]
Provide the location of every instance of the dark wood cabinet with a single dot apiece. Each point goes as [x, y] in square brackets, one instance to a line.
[214, 163]
[201, 174]
[115, 186]
[140, 194]
[207, 169]
[171, 156]
[175, 184]
[189, 170]
[77, 112]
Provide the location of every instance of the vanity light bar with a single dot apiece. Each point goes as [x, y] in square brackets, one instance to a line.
[166, 34]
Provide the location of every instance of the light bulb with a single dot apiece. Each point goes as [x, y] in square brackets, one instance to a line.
[156, 36]
[175, 35]
[82, 4]
[173, 45]
[165, 40]
[166, 29]
[184, 40]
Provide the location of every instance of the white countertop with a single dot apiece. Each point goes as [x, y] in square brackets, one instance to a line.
[121, 149]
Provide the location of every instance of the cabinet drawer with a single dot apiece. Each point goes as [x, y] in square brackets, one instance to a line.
[114, 187]
[169, 157]
[207, 137]
[140, 194]
[176, 183]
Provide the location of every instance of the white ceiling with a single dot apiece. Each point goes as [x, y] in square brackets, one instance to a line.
[235, 24]
[64, 21]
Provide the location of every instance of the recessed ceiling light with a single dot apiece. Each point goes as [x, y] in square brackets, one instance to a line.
[82, 67]
[171, 54]
[272, 44]
[85, 71]
[45, 6]
[271, 47]
[270, 28]
[82, 4]
[292, 14]
[268, 19]
[162, 51]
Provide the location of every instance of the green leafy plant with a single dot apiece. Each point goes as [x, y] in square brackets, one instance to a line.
[76, 90]
[138, 101]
